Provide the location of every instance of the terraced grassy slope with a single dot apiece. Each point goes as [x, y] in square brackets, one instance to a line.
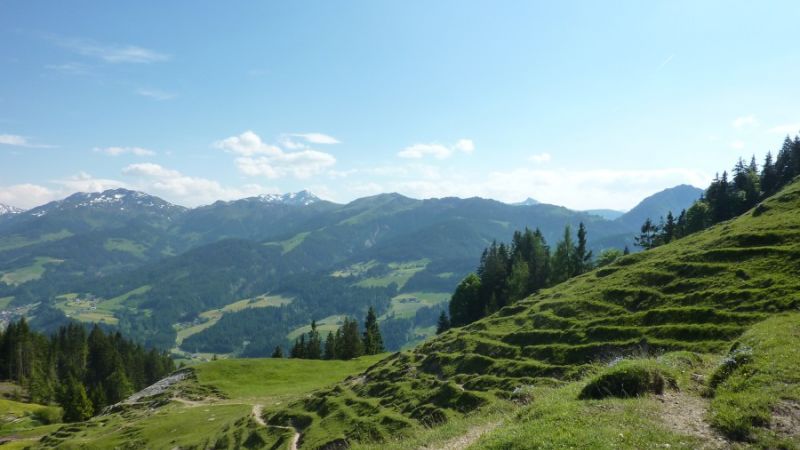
[211, 405]
[697, 295]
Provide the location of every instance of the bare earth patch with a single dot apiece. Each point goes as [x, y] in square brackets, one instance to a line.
[465, 440]
[686, 414]
[786, 419]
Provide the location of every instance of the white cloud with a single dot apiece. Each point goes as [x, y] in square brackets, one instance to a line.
[465, 145]
[247, 144]
[540, 158]
[116, 151]
[112, 53]
[259, 159]
[436, 150]
[150, 170]
[185, 189]
[26, 195]
[20, 141]
[156, 94]
[791, 128]
[737, 145]
[317, 138]
[83, 182]
[745, 121]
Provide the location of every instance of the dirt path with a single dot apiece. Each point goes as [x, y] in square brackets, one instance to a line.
[686, 414]
[465, 440]
[257, 409]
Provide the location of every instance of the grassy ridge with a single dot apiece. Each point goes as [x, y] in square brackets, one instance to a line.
[212, 408]
[697, 295]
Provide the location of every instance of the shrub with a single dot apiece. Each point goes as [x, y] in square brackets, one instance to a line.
[626, 379]
[48, 415]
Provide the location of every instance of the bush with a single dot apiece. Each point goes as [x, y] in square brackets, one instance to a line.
[48, 415]
[626, 379]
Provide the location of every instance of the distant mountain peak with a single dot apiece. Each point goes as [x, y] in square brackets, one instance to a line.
[8, 209]
[110, 199]
[527, 202]
[302, 198]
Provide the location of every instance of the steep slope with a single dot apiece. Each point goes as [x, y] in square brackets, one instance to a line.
[697, 294]
[659, 204]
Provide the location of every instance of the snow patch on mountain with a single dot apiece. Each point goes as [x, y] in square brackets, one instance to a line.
[7, 209]
[303, 198]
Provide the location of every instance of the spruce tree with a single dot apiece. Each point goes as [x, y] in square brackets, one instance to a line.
[72, 397]
[277, 353]
[313, 348]
[582, 256]
[373, 341]
[330, 346]
[443, 324]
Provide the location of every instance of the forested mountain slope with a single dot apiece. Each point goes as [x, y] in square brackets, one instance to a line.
[157, 270]
[698, 294]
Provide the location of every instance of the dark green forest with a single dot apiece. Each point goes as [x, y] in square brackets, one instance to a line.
[81, 371]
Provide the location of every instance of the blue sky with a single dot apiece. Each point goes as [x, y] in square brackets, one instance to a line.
[584, 104]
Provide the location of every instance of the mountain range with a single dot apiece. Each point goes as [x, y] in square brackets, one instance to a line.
[213, 278]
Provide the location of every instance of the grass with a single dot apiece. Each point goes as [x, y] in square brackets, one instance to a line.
[94, 310]
[692, 297]
[28, 273]
[324, 325]
[223, 421]
[399, 273]
[556, 420]
[125, 245]
[14, 242]
[211, 317]
[25, 423]
[756, 395]
[406, 305]
[276, 377]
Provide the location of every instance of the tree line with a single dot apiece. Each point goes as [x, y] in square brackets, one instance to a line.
[727, 196]
[346, 343]
[507, 273]
[82, 372]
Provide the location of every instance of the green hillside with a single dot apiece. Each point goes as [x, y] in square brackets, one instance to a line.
[679, 308]
[211, 405]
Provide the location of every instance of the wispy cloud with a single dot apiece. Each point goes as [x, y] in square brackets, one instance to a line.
[70, 68]
[790, 128]
[156, 94]
[737, 145]
[112, 53]
[436, 150]
[117, 151]
[20, 141]
[540, 158]
[745, 121]
[665, 62]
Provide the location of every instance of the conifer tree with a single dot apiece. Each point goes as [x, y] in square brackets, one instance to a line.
[277, 353]
[73, 399]
[352, 346]
[582, 256]
[373, 341]
[443, 324]
[330, 346]
[313, 348]
[465, 304]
